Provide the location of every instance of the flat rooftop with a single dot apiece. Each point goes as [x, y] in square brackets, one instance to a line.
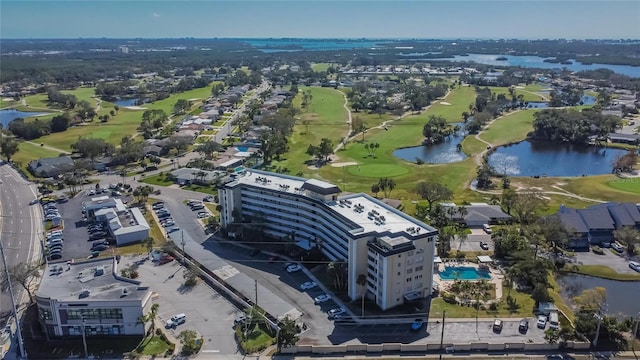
[92, 280]
[368, 213]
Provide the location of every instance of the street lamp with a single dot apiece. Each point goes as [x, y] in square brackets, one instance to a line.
[84, 337]
[599, 316]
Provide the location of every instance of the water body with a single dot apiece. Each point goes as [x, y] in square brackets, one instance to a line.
[538, 158]
[443, 153]
[573, 285]
[8, 115]
[464, 273]
[586, 100]
[129, 102]
[538, 62]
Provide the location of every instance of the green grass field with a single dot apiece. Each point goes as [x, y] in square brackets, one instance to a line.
[319, 67]
[631, 185]
[509, 128]
[27, 152]
[530, 96]
[458, 100]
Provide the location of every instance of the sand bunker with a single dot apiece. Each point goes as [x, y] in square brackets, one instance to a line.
[342, 164]
[444, 103]
[519, 87]
[136, 108]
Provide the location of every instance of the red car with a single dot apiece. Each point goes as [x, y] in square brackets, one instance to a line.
[166, 259]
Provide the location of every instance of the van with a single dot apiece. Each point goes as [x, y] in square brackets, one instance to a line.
[554, 323]
[176, 320]
[486, 228]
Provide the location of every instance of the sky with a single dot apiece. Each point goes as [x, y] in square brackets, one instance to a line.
[477, 19]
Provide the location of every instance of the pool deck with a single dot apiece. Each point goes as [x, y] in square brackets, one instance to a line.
[496, 275]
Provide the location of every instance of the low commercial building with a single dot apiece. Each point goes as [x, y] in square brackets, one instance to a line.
[392, 250]
[51, 167]
[90, 296]
[126, 225]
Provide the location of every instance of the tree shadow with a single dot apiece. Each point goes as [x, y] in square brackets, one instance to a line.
[183, 289]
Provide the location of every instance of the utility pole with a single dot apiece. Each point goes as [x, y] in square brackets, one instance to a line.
[599, 316]
[442, 334]
[255, 283]
[184, 255]
[13, 304]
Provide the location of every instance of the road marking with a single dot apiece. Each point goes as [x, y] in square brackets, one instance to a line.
[210, 351]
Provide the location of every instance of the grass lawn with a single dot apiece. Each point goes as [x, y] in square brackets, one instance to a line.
[603, 187]
[199, 188]
[153, 345]
[472, 146]
[459, 99]
[510, 128]
[83, 93]
[605, 272]
[157, 180]
[320, 67]
[523, 307]
[373, 120]
[631, 185]
[528, 95]
[4, 104]
[554, 292]
[255, 340]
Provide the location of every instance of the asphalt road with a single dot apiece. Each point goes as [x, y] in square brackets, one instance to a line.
[20, 224]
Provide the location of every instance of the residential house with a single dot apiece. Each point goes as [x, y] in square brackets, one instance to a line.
[477, 214]
[186, 176]
[51, 167]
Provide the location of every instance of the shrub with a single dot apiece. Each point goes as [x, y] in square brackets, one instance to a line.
[158, 332]
[449, 297]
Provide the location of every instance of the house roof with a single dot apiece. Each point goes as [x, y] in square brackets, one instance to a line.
[479, 212]
[625, 214]
[597, 218]
[572, 220]
[54, 165]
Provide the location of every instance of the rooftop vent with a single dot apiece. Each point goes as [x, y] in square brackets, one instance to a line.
[125, 292]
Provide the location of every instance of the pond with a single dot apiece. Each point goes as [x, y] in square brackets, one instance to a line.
[573, 285]
[130, 102]
[443, 153]
[545, 158]
[8, 115]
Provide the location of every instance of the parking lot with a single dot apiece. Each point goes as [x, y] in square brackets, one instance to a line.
[208, 313]
[618, 263]
[473, 240]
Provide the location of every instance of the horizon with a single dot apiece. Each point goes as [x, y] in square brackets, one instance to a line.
[329, 38]
[321, 19]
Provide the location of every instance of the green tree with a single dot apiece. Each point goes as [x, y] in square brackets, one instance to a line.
[208, 148]
[20, 274]
[288, 335]
[628, 236]
[432, 192]
[188, 340]
[8, 146]
[148, 243]
[527, 205]
[552, 335]
[181, 106]
[591, 299]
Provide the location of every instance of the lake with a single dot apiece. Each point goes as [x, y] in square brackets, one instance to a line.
[536, 158]
[443, 153]
[8, 115]
[538, 62]
[622, 296]
[129, 102]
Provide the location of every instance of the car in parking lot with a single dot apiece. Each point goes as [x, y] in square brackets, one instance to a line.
[55, 256]
[176, 320]
[523, 327]
[173, 229]
[617, 247]
[102, 247]
[168, 224]
[165, 260]
[497, 325]
[484, 245]
[203, 214]
[164, 215]
[240, 319]
[335, 312]
[634, 265]
[291, 268]
[308, 285]
[197, 207]
[541, 323]
[321, 298]
[417, 324]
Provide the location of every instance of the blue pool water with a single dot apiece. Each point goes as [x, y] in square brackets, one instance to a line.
[242, 148]
[464, 273]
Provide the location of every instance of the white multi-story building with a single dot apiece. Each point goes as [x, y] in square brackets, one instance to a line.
[393, 250]
[90, 295]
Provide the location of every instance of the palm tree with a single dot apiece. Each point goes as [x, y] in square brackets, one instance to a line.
[480, 290]
[148, 243]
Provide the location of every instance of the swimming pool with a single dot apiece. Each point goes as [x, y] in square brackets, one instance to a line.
[242, 148]
[464, 273]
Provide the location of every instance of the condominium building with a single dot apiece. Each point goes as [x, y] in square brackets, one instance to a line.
[90, 295]
[393, 250]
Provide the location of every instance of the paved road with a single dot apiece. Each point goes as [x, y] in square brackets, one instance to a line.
[20, 224]
[228, 125]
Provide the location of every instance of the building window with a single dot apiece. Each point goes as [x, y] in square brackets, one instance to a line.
[409, 271]
[410, 253]
[409, 279]
[398, 273]
[410, 262]
[420, 251]
[94, 314]
[418, 277]
[419, 259]
[399, 264]
[419, 268]
[419, 285]
[44, 314]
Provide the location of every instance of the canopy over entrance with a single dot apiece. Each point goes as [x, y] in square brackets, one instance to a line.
[485, 259]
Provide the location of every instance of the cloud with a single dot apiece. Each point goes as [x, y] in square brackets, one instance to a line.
[155, 15]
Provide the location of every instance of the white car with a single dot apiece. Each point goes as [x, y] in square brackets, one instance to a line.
[617, 247]
[293, 268]
[322, 298]
[308, 285]
[542, 321]
[335, 312]
[634, 265]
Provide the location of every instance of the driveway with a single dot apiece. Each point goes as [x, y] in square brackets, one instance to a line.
[208, 313]
[472, 242]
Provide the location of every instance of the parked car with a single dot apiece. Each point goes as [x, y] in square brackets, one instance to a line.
[497, 325]
[634, 265]
[203, 214]
[484, 245]
[308, 285]
[417, 324]
[197, 207]
[523, 327]
[335, 311]
[241, 319]
[100, 248]
[617, 247]
[293, 268]
[165, 215]
[168, 224]
[176, 320]
[92, 192]
[99, 242]
[173, 229]
[55, 256]
[322, 298]
[541, 323]
[165, 260]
